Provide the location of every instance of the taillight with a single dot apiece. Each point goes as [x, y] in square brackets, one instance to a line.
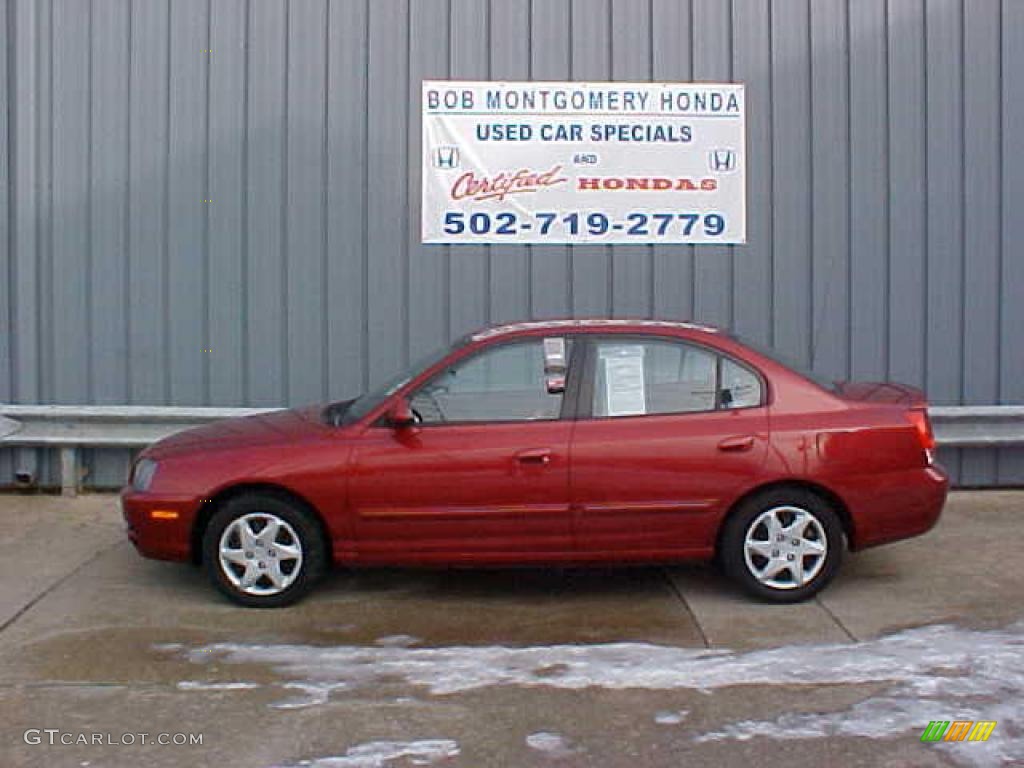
[919, 418]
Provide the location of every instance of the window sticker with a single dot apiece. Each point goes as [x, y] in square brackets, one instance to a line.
[554, 365]
[554, 354]
[623, 369]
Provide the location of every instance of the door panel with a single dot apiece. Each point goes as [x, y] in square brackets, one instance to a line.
[658, 483]
[484, 476]
[467, 491]
[664, 441]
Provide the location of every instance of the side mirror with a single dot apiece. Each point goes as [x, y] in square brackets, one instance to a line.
[400, 414]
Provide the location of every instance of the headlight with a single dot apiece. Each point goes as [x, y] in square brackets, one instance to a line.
[142, 475]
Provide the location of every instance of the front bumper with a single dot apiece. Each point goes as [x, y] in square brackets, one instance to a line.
[159, 526]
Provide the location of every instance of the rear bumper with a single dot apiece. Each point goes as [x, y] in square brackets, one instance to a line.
[159, 526]
[895, 505]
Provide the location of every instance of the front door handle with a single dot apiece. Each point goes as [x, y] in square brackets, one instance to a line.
[534, 456]
[737, 444]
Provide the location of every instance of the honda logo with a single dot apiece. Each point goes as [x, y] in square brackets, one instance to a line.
[446, 157]
[722, 160]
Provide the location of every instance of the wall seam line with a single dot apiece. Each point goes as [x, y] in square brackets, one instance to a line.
[285, 304]
[244, 276]
[168, 394]
[325, 149]
[207, 357]
[127, 215]
[90, 298]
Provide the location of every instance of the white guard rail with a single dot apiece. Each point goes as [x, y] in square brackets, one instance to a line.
[978, 426]
[72, 427]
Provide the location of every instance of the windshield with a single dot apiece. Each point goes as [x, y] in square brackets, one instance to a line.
[363, 405]
[783, 359]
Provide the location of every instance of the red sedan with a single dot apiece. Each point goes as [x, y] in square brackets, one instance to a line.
[573, 441]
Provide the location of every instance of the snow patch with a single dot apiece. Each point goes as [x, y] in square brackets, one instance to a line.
[198, 685]
[167, 647]
[938, 672]
[378, 754]
[671, 718]
[312, 694]
[551, 744]
[396, 641]
[908, 707]
[919, 654]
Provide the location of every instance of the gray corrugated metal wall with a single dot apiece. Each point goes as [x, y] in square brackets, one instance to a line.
[885, 183]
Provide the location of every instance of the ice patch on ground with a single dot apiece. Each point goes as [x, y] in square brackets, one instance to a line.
[938, 672]
[671, 717]
[199, 685]
[918, 654]
[551, 744]
[311, 694]
[378, 754]
[396, 641]
[908, 707]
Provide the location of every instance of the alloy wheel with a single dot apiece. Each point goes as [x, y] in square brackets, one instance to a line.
[260, 554]
[785, 547]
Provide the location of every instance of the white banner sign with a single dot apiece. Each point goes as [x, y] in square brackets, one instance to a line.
[546, 162]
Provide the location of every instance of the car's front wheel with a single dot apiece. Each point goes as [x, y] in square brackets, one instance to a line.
[783, 545]
[263, 551]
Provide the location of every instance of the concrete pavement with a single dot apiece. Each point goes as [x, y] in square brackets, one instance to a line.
[642, 666]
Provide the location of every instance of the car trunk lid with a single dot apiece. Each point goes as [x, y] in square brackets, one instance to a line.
[909, 399]
[882, 392]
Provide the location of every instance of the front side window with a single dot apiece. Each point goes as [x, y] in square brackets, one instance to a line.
[505, 382]
[635, 378]
[343, 413]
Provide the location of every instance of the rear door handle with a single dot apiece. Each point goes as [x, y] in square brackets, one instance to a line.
[534, 456]
[736, 444]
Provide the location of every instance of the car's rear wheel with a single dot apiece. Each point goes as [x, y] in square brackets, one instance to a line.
[783, 545]
[263, 551]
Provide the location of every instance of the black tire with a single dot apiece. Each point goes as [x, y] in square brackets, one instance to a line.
[733, 553]
[299, 528]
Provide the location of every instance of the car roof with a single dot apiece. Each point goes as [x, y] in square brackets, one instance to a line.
[589, 323]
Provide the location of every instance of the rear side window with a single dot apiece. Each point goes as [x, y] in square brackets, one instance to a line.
[741, 388]
[647, 377]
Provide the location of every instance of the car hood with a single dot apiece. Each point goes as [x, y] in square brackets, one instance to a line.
[272, 428]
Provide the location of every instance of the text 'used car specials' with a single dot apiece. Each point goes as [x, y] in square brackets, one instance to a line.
[548, 162]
